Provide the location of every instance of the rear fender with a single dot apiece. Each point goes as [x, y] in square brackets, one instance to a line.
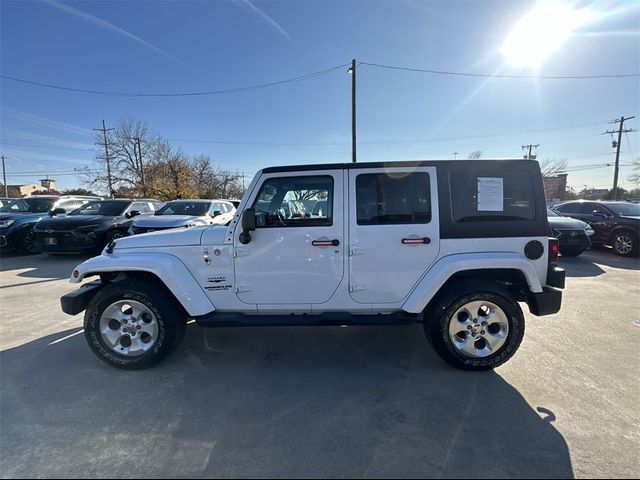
[447, 266]
[168, 268]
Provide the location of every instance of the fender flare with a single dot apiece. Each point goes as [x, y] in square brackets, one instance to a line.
[430, 284]
[168, 268]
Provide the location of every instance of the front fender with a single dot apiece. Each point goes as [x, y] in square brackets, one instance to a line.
[444, 268]
[168, 268]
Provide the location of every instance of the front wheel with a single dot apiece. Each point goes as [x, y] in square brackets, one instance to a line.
[477, 326]
[625, 244]
[26, 243]
[571, 251]
[133, 324]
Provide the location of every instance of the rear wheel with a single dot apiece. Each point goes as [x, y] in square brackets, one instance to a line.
[571, 251]
[477, 326]
[133, 324]
[625, 243]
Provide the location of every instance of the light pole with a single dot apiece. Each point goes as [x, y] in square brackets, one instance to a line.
[352, 72]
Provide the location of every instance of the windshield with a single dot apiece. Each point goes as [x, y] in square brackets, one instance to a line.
[551, 213]
[196, 209]
[29, 205]
[625, 209]
[108, 208]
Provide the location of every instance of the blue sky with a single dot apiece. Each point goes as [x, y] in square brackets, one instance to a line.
[170, 46]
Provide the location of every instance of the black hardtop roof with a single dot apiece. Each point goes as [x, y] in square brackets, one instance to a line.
[400, 163]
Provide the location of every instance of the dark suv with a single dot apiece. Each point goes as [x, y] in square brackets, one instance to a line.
[92, 226]
[615, 223]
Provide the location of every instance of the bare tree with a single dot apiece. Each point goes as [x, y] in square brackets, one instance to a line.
[476, 154]
[553, 166]
[635, 176]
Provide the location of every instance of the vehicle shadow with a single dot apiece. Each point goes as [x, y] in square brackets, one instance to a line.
[269, 402]
[590, 263]
[41, 266]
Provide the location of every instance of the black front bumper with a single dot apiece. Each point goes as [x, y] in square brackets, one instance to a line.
[77, 301]
[66, 242]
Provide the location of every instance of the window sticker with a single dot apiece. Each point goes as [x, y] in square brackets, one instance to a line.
[490, 194]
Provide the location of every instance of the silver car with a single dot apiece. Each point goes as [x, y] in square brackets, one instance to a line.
[185, 213]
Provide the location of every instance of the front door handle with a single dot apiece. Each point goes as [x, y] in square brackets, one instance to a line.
[416, 241]
[326, 243]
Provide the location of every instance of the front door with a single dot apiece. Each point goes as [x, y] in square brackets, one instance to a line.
[394, 230]
[296, 253]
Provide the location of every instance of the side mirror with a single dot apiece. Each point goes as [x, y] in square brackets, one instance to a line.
[57, 211]
[599, 213]
[248, 225]
[216, 213]
[133, 213]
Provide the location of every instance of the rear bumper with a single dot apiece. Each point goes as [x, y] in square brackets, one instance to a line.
[549, 300]
[78, 300]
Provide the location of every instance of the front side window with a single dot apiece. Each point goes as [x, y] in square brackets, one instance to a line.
[571, 208]
[291, 201]
[393, 199]
[492, 195]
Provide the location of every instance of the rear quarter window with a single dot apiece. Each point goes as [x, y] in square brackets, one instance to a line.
[492, 195]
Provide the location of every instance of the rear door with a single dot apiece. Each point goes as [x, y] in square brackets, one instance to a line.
[393, 229]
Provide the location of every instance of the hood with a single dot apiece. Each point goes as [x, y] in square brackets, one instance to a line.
[71, 222]
[163, 238]
[169, 221]
[22, 216]
[566, 223]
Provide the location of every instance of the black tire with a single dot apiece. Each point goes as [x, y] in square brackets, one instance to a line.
[620, 241]
[440, 313]
[571, 251]
[25, 243]
[170, 318]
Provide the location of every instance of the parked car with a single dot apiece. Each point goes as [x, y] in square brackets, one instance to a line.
[18, 217]
[185, 213]
[615, 223]
[454, 246]
[572, 234]
[91, 227]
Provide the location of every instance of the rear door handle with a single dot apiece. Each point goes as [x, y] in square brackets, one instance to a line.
[326, 243]
[416, 241]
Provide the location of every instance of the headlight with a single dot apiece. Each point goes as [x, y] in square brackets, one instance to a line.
[588, 230]
[6, 223]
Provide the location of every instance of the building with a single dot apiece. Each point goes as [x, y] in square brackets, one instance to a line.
[555, 188]
[24, 190]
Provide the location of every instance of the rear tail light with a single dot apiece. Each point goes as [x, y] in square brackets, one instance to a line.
[554, 249]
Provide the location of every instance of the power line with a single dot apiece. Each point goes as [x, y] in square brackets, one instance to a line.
[490, 75]
[260, 86]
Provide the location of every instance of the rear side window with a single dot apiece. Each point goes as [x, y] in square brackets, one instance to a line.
[571, 208]
[382, 198]
[492, 195]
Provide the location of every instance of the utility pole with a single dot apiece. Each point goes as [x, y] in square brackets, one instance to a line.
[104, 131]
[455, 155]
[620, 131]
[530, 156]
[352, 72]
[4, 176]
[140, 162]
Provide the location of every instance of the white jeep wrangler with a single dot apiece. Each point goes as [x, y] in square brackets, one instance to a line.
[454, 245]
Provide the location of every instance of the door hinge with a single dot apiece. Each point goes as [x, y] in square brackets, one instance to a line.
[242, 287]
[241, 252]
[354, 250]
[356, 288]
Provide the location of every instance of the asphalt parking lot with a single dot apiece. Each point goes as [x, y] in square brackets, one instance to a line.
[328, 402]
